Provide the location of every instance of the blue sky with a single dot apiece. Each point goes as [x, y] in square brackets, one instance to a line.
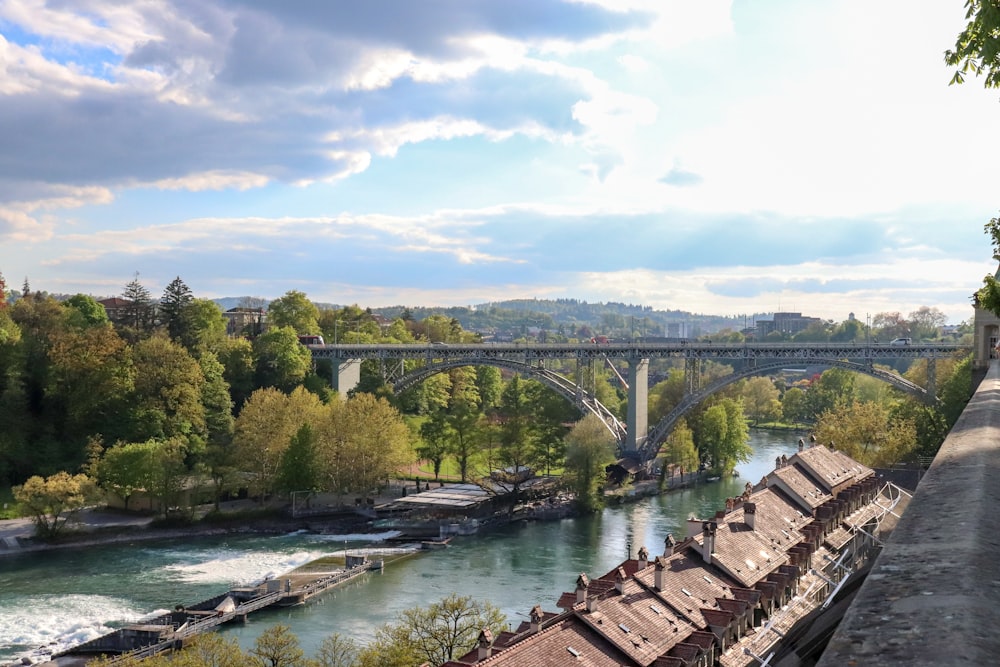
[720, 157]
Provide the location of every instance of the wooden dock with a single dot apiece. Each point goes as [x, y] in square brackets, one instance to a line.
[172, 631]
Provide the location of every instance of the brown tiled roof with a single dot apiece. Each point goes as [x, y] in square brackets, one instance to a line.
[567, 642]
[689, 585]
[745, 555]
[638, 623]
[801, 485]
[831, 468]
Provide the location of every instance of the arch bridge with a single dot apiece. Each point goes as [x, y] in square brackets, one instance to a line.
[635, 439]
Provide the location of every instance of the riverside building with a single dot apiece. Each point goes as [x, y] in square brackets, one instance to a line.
[756, 583]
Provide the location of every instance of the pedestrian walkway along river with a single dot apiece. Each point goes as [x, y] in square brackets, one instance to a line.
[55, 599]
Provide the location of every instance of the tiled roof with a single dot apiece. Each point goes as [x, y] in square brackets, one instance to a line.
[637, 622]
[746, 555]
[568, 642]
[688, 585]
[802, 486]
[831, 468]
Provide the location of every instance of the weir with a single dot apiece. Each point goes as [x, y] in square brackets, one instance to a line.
[172, 631]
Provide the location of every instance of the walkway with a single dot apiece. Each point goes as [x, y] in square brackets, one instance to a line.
[932, 596]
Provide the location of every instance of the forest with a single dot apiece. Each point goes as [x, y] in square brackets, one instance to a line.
[158, 397]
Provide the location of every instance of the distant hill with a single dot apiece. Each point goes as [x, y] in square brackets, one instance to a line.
[564, 315]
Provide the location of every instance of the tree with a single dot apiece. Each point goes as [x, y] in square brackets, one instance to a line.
[176, 297]
[264, 430]
[760, 397]
[281, 361]
[278, 647]
[203, 326]
[239, 365]
[167, 399]
[551, 412]
[679, 451]
[296, 311]
[926, 322]
[589, 450]
[977, 49]
[337, 651]
[723, 434]
[138, 313]
[85, 312]
[793, 405]
[435, 440]
[988, 296]
[517, 451]
[463, 420]
[446, 630]
[126, 468]
[866, 433]
[51, 502]
[298, 470]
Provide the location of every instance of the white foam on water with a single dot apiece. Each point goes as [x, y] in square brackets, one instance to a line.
[44, 624]
[239, 568]
[358, 537]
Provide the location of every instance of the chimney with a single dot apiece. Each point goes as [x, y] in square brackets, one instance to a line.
[620, 578]
[643, 557]
[485, 644]
[802, 444]
[659, 572]
[536, 616]
[592, 603]
[669, 544]
[693, 526]
[581, 587]
[777, 462]
[708, 529]
[750, 514]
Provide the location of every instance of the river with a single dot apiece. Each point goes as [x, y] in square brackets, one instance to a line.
[64, 597]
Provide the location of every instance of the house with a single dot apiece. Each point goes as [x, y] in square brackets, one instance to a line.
[730, 590]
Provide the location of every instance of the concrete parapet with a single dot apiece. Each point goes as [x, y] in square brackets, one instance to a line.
[933, 595]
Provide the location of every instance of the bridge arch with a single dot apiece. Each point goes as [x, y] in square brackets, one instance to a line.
[560, 384]
[648, 450]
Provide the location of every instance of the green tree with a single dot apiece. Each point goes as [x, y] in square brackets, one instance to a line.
[988, 296]
[203, 327]
[489, 382]
[589, 450]
[264, 430]
[296, 311]
[298, 469]
[793, 405]
[281, 361]
[85, 312]
[517, 450]
[550, 414]
[435, 440]
[239, 364]
[53, 501]
[126, 468]
[278, 647]
[833, 388]
[760, 397]
[175, 299]
[137, 316]
[337, 651]
[167, 398]
[866, 433]
[977, 49]
[443, 631]
[679, 452]
[463, 420]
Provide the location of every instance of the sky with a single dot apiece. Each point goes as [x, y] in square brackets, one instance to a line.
[721, 157]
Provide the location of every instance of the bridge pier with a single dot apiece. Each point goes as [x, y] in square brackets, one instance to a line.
[345, 375]
[638, 404]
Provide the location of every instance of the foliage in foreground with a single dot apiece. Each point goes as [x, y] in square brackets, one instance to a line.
[444, 630]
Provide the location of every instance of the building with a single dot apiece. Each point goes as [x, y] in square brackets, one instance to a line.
[245, 321]
[788, 324]
[727, 594]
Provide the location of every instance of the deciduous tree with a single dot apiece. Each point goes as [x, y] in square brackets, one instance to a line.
[589, 450]
[53, 501]
[296, 311]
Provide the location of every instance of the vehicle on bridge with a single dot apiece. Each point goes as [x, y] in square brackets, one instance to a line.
[311, 340]
[900, 342]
